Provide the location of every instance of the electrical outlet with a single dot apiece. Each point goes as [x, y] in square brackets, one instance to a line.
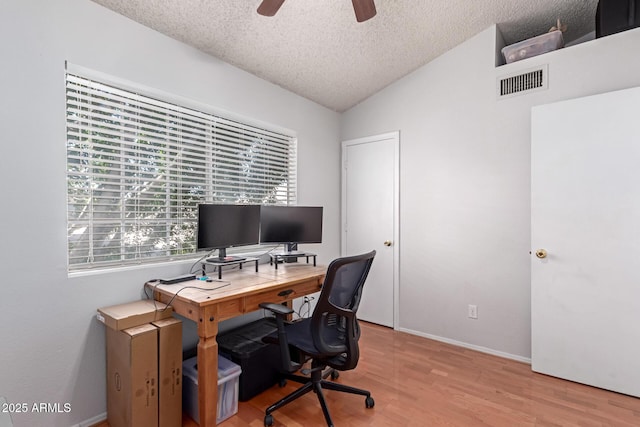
[473, 311]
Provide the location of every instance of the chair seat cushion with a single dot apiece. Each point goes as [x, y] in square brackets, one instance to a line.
[299, 336]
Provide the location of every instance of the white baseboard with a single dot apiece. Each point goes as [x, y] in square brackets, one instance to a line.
[92, 421]
[469, 346]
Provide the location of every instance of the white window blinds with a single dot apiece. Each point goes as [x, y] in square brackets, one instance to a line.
[137, 168]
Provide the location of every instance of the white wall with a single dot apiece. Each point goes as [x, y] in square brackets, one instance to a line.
[465, 182]
[464, 202]
[52, 348]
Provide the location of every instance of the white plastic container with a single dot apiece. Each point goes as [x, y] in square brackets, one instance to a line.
[228, 381]
[533, 46]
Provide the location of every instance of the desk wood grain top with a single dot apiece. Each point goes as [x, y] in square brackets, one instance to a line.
[239, 283]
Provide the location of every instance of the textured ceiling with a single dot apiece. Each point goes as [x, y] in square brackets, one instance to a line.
[316, 48]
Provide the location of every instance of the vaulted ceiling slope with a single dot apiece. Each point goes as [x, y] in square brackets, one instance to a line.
[315, 48]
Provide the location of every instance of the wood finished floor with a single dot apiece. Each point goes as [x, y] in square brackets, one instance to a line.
[420, 382]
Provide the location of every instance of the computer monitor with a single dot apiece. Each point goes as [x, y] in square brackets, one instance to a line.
[221, 226]
[290, 225]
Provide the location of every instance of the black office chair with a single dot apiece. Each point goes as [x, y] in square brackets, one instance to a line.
[329, 337]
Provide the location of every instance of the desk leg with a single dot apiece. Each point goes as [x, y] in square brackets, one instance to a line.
[208, 372]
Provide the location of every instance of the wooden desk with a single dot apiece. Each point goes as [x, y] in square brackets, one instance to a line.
[244, 290]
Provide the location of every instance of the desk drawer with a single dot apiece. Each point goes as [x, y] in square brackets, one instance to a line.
[285, 293]
[229, 309]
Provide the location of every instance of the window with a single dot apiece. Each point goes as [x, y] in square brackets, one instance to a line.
[137, 167]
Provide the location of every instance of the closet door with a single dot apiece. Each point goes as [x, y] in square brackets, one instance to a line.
[370, 184]
[585, 236]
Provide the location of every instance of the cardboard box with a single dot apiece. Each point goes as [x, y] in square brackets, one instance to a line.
[124, 316]
[132, 377]
[169, 372]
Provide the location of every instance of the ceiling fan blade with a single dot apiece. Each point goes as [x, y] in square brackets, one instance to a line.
[365, 9]
[269, 7]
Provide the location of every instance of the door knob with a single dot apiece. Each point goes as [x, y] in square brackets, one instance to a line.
[541, 253]
[387, 242]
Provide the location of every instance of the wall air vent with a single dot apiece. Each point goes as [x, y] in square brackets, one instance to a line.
[524, 82]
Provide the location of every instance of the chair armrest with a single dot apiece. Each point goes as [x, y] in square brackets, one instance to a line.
[277, 309]
[281, 311]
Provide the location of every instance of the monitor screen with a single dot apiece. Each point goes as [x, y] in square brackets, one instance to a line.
[291, 224]
[223, 226]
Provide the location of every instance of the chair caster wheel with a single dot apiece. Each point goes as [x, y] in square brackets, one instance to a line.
[369, 403]
[268, 421]
[335, 375]
[282, 382]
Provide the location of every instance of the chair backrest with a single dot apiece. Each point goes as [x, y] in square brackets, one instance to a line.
[334, 326]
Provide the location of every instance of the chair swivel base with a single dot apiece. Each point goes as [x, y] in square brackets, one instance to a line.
[315, 384]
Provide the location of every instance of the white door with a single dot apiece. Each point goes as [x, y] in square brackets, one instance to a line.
[585, 212]
[370, 185]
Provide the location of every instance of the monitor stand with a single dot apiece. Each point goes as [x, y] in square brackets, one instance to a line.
[290, 255]
[222, 258]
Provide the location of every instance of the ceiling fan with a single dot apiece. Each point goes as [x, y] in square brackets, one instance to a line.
[364, 9]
